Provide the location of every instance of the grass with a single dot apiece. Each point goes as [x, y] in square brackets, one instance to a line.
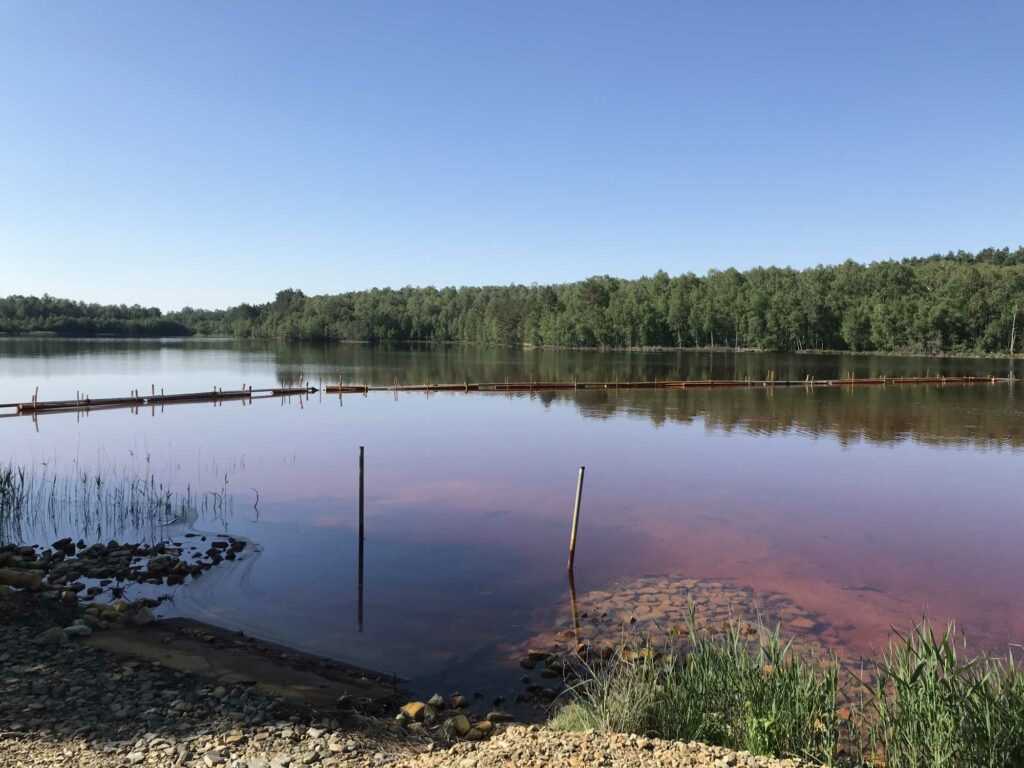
[40, 501]
[933, 705]
[930, 705]
[723, 690]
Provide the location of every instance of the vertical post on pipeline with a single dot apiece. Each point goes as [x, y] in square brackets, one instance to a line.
[575, 519]
[362, 536]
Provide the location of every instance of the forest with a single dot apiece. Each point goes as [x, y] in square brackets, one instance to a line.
[64, 317]
[954, 302]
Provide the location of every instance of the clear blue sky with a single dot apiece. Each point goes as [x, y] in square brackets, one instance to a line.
[209, 152]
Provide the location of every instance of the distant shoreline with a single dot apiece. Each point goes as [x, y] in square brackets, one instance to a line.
[948, 354]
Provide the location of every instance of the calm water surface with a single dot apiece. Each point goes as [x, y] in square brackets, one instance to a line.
[866, 508]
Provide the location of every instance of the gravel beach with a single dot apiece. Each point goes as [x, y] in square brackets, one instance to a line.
[89, 682]
[67, 703]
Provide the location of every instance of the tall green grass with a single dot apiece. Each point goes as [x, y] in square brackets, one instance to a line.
[937, 707]
[761, 697]
[929, 704]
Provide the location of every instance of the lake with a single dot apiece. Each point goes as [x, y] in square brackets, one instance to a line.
[838, 512]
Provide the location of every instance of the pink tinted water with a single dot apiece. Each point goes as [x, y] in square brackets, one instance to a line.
[868, 508]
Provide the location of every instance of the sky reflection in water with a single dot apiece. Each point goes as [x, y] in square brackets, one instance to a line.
[868, 507]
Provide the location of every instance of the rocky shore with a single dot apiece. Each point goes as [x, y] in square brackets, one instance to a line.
[76, 705]
[89, 677]
[73, 704]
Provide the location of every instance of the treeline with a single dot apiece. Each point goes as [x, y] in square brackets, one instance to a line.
[63, 317]
[955, 302]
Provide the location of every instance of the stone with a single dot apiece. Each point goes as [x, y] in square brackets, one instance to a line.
[143, 616]
[134, 758]
[803, 623]
[461, 725]
[32, 581]
[498, 716]
[414, 710]
[213, 758]
[436, 701]
[77, 631]
[457, 701]
[64, 544]
[52, 636]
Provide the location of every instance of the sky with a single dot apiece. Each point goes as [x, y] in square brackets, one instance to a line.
[208, 153]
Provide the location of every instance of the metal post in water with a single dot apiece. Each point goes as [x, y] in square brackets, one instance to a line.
[573, 608]
[576, 519]
[362, 536]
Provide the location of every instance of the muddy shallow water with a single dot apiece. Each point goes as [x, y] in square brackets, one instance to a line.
[838, 512]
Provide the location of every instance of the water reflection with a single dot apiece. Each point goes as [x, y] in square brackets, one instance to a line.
[863, 508]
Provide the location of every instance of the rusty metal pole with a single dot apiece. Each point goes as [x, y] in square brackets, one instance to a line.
[362, 506]
[576, 519]
[362, 537]
[573, 608]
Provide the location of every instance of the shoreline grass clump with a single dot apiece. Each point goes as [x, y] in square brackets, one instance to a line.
[929, 704]
[761, 697]
[935, 706]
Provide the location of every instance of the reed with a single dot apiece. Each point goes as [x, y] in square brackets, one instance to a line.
[722, 689]
[930, 704]
[39, 501]
[934, 705]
